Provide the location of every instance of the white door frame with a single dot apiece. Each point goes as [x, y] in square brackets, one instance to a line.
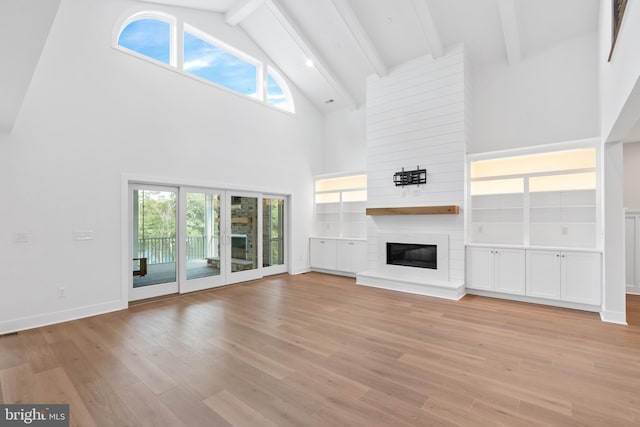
[181, 186]
[284, 268]
[191, 285]
[151, 291]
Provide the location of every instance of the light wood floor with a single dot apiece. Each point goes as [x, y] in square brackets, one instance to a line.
[318, 350]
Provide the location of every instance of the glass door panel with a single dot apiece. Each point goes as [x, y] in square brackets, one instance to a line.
[204, 259]
[153, 240]
[243, 240]
[273, 235]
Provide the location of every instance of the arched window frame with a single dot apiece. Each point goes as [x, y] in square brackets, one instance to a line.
[177, 28]
[283, 85]
[158, 16]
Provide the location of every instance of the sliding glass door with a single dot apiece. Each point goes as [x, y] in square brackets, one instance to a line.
[204, 257]
[274, 247]
[243, 237]
[154, 227]
[186, 239]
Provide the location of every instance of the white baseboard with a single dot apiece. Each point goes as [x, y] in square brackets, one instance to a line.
[300, 271]
[533, 300]
[618, 317]
[16, 325]
[633, 290]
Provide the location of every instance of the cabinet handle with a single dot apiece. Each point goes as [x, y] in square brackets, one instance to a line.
[564, 256]
[321, 241]
[350, 244]
[557, 255]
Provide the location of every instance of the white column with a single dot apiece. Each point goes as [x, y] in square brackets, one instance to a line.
[614, 291]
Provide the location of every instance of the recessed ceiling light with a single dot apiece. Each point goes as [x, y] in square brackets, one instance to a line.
[308, 63]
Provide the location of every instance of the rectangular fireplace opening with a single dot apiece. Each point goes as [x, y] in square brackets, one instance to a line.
[412, 255]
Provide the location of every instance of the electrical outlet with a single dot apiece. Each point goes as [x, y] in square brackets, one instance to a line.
[62, 292]
[565, 230]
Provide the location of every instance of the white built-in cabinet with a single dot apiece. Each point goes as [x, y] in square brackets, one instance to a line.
[533, 225]
[352, 255]
[322, 253]
[496, 269]
[565, 275]
[338, 255]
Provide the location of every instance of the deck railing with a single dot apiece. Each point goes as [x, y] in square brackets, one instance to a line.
[161, 250]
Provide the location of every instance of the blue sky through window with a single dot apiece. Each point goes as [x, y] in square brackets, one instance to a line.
[275, 94]
[215, 65]
[149, 37]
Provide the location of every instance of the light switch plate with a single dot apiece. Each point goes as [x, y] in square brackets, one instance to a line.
[83, 235]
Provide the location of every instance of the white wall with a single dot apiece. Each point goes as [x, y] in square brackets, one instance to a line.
[345, 141]
[93, 113]
[631, 162]
[546, 98]
[619, 78]
[416, 116]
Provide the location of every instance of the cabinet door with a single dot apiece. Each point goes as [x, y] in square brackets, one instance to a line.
[322, 253]
[581, 277]
[344, 256]
[543, 274]
[351, 256]
[358, 256]
[509, 271]
[480, 268]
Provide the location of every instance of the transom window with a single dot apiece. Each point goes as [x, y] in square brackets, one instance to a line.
[154, 35]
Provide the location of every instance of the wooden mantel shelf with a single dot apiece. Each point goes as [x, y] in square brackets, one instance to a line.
[416, 210]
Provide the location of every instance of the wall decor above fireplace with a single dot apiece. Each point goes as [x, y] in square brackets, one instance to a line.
[414, 177]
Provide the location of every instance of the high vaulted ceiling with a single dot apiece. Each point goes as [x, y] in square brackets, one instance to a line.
[348, 40]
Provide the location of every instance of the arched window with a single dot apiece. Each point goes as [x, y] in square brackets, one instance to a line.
[278, 93]
[150, 35]
[213, 61]
[154, 35]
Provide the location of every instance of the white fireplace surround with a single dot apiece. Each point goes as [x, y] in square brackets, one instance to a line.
[415, 280]
[441, 274]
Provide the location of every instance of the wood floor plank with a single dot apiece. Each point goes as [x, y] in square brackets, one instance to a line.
[54, 386]
[190, 410]
[101, 400]
[235, 411]
[318, 350]
[18, 385]
[37, 352]
[147, 408]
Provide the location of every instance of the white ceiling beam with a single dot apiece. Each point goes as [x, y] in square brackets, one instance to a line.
[241, 10]
[510, 31]
[361, 37]
[428, 28]
[310, 52]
